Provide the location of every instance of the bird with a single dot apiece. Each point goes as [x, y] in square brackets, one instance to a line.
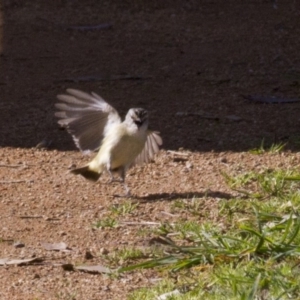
[95, 125]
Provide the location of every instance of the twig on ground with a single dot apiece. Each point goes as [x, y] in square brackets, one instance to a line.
[15, 181]
[178, 153]
[10, 166]
[140, 223]
[30, 217]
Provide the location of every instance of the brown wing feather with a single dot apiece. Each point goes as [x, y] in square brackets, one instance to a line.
[86, 117]
[151, 147]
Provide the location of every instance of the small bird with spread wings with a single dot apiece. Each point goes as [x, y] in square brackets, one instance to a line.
[96, 125]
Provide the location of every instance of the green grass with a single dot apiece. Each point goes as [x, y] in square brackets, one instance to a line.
[251, 252]
[107, 222]
[273, 149]
[116, 211]
[193, 206]
[125, 208]
[124, 255]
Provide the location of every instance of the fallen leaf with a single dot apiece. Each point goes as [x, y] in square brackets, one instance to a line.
[19, 244]
[167, 295]
[94, 269]
[55, 246]
[10, 261]
[3, 261]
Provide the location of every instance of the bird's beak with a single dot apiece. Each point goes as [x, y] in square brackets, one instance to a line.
[138, 122]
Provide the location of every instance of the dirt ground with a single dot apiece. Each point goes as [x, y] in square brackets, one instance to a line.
[191, 64]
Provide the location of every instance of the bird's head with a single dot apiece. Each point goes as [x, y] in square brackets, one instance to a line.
[138, 116]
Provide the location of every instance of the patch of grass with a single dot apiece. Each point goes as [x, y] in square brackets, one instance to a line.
[252, 254]
[192, 205]
[66, 296]
[107, 222]
[145, 293]
[124, 255]
[273, 149]
[260, 185]
[124, 208]
[144, 231]
[116, 210]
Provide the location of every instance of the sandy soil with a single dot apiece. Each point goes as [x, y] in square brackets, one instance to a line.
[191, 65]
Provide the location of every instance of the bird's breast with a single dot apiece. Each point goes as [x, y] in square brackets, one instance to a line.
[121, 146]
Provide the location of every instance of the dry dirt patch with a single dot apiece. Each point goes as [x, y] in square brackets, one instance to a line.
[189, 64]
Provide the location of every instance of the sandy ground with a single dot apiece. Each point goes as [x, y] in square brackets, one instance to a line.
[191, 65]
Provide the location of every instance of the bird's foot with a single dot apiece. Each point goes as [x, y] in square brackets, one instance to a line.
[112, 179]
[127, 193]
[123, 196]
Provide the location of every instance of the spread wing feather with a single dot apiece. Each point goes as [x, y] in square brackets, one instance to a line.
[151, 147]
[87, 117]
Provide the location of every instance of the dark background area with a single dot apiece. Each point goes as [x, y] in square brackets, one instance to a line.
[187, 62]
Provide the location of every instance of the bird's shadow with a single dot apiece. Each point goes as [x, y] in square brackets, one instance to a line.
[187, 195]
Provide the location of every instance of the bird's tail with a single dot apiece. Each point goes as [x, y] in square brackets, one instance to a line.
[87, 173]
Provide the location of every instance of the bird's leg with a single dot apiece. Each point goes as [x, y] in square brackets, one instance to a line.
[122, 174]
[112, 179]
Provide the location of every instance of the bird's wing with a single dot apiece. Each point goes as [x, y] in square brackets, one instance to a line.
[87, 117]
[151, 147]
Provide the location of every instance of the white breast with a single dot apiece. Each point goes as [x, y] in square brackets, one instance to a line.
[121, 146]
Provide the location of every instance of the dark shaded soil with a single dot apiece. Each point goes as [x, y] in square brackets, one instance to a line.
[189, 63]
[190, 57]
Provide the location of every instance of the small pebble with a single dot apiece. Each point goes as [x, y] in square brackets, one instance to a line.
[88, 255]
[19, 244]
